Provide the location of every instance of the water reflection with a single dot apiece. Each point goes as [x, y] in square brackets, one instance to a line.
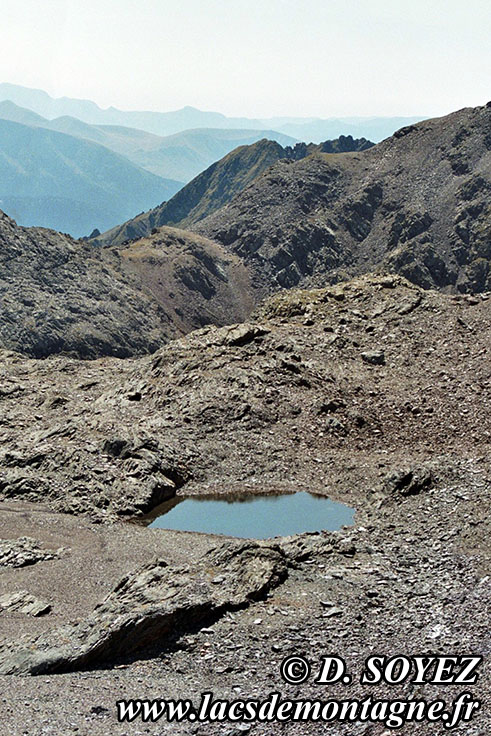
[253, 516]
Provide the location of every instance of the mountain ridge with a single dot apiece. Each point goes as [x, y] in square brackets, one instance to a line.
[218, 184]
[167, 123]
[417, 204]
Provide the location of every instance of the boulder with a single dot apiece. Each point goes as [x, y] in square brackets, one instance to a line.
[151, 608]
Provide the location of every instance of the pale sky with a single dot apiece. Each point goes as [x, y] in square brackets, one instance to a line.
[254, 58]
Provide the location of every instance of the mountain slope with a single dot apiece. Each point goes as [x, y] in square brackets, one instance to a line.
[418, 204]
[55, 180]
[60, 295]
[10, 111]
[179, 157]
[168, 123]
[186, 154]
[220, 182]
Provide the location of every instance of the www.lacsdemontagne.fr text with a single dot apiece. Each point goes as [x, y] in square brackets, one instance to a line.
[392, 713]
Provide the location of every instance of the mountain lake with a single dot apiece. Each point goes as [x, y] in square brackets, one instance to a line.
[253, 516]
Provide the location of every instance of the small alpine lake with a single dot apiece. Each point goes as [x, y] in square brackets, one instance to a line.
[253, 516]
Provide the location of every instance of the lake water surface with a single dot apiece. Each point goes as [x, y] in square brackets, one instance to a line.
[252, 516]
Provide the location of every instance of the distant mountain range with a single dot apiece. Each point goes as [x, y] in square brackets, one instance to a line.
[167, 123]
[417, 204]
[54, 180]
[179, 157]
[74, 177]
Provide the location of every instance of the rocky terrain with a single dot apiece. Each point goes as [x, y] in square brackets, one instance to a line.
[417, 204]
[58, 295]
[220, 182]
[374, 392]
[61, 295]
[307, 396]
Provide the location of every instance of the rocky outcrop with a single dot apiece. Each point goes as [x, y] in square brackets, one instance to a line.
[64, 296]
[25, 551]
[408, 481]
[152, 607]
[25, 603]
[192, 280]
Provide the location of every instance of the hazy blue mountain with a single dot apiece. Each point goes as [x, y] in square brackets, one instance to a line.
[184, 155]
[40, 102]
[10, 111]
[180, 157]
[160, 123]
[168, 123]
[55, 180]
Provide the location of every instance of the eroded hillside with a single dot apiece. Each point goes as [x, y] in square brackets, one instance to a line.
[417, 203]
[61, 295]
